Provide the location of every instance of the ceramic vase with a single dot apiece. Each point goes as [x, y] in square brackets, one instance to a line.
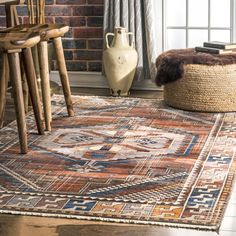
[120, 61]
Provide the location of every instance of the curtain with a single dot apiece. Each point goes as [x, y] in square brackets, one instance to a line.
[136, 16]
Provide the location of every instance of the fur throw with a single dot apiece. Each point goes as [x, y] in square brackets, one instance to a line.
[170, 64]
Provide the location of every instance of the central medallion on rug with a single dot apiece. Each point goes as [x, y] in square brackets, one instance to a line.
[122, 160]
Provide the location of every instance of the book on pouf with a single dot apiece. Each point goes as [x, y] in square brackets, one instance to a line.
[220, 45]
[212, 50]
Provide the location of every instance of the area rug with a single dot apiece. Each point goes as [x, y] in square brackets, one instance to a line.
[125, 160]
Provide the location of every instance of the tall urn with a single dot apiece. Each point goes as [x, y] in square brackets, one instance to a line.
[120, 61]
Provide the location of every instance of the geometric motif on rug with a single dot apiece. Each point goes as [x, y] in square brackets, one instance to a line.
[122, 160]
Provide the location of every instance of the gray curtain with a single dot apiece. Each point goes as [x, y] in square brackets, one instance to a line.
[137, 17]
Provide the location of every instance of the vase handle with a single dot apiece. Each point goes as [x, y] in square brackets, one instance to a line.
[108, 34]
[132, 39]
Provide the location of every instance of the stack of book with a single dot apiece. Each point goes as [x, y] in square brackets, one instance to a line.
[217, 47]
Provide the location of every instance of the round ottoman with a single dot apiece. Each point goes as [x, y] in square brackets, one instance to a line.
[198, 81]
[204, 88]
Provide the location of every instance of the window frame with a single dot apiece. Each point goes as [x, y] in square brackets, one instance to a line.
[160, 6]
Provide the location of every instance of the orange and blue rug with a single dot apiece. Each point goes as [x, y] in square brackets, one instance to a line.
[125, 160]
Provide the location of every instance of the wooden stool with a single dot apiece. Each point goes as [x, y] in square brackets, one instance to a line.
[48, 32]
[11, 44]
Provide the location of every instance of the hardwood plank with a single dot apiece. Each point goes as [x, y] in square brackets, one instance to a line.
[231, 210]
[227, 233]
[233, 198]
[229, 224]
[39, 226]
[127, 231]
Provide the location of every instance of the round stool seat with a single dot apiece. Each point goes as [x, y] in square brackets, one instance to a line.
[12, 40]
[46, 31]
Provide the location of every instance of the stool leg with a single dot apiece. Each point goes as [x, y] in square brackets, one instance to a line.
[45, 83]
[63, 74]
[14, 65]
[33, 88]
[3, 87]
[25, 88]
[35, 54]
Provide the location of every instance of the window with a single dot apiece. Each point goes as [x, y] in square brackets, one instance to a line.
[188, 23]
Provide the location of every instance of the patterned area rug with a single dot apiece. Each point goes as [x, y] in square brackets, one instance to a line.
[122, 160]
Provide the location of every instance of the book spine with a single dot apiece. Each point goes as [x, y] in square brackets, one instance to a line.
[209, 50]
[213, 45]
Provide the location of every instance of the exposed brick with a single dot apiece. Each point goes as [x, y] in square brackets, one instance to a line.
[71, 2]
[2, 20]
[68, 55]
[93, 2]
[88, 55]
[95, 21]
[95, 44]
[58, 11]
[49, 20]
[88, 11]
[2, 10]
[21, 10]
[73, 21]
[49, 2]
[95, 66]
[83, 44]
[74, 44]
[88, 33]
[25, 19]
[76, 65]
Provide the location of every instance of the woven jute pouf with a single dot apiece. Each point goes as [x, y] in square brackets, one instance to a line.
[204, 88]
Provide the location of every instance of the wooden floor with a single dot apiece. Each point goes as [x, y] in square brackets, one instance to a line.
[11, 225]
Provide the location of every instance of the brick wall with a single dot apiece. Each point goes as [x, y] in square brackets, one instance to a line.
[83, 43]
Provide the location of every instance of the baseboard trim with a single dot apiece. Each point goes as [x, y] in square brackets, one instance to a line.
[97, 80]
